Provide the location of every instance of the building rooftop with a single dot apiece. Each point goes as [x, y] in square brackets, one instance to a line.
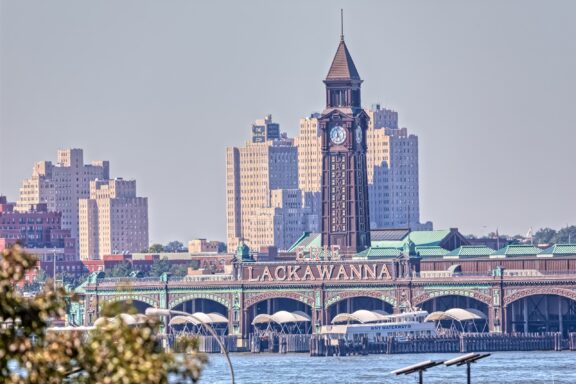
[469, 251]
[513, 250]
[342, 67]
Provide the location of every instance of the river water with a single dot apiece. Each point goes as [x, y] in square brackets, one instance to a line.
[501, 367]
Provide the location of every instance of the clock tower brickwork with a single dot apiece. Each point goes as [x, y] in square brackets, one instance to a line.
[345, 213]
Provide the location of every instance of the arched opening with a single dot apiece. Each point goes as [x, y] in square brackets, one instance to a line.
[202, 305]
[445, 303]
[353, 304]
[125, 306]
[542, 313]
[272, 306]
[279, 325]
[206, 311]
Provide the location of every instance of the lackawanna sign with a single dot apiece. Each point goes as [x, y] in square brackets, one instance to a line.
[317, 272]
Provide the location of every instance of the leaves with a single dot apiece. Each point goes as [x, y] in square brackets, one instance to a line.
[114, 352]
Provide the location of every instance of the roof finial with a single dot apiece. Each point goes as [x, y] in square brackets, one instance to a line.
[341, 24]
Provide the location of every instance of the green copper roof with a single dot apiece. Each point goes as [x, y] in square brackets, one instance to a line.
[433, 251]
[429, 238]
[419, 238]
[470, 251]
[516, 250]
[374, 253]
[307, 240]
[559, 250]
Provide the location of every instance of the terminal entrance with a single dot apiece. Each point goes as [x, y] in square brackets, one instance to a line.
[202, 305]
[542, 313]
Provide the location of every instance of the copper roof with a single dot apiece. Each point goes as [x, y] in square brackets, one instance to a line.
[342, 67]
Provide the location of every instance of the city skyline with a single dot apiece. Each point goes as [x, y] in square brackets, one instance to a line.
[517, 179]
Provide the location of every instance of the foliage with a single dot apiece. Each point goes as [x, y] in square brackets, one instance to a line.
[121, 269]
[113, 352]
[566, 235]
[156, 248]
[159, 266]
[174, 246]
[550, 236]
[180, 269]
[544, 236]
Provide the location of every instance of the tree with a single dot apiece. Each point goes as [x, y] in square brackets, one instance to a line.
[122, 269]
[113, 352]
[156, 248]
[159, 266]
[544, 236]
[174, 246]
[180, 269]
[566, 235]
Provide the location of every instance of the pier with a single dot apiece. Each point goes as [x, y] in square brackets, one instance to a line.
[466, 342]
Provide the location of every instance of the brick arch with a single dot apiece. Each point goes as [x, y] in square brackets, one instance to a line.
[352, 294]
[564, 292]
[145, 299]
[301, 297]
[206, 296]
[483, 298]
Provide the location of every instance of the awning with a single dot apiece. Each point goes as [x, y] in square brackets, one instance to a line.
[457, 314]
[362, 316]
[282, 317]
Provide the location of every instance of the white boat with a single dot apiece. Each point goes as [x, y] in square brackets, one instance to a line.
[376, 326]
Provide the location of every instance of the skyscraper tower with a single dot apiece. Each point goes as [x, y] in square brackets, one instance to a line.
[343, 124]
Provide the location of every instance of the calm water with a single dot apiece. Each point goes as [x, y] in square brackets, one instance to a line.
[501, 367]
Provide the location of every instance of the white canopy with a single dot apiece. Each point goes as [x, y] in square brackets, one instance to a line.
[199, 318]
[457, 314]
[282, 317]
[126, 318]
[362, 316]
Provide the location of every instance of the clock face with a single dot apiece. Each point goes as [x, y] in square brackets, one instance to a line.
[358, 135]
[337, 135]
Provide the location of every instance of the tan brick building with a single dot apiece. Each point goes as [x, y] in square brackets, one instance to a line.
[113, 219]
[263, 203]
[282, 223]
[60, 185]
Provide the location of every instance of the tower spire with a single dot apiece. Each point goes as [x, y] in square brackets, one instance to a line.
[341, 24]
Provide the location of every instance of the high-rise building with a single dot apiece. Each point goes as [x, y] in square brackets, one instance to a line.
[283, 222]
[252, 172]
[345, 212]
[392, 159]
[113, 219]
[264, 130]
[60, 185]
[309, 144]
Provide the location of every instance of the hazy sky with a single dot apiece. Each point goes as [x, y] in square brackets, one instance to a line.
[160, 88]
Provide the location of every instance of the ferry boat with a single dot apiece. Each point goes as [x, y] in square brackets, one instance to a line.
[377, 326]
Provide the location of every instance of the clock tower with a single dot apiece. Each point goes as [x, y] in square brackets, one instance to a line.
[343, 124]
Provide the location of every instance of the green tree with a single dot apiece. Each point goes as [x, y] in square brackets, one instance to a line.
[544, 236]
[156, 248]
[566, 235]
[159, 266]
[113, 352]
[180, 269]
[121, 269]
[174, 246]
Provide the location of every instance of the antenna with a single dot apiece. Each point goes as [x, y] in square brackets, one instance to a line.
[341, 24]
